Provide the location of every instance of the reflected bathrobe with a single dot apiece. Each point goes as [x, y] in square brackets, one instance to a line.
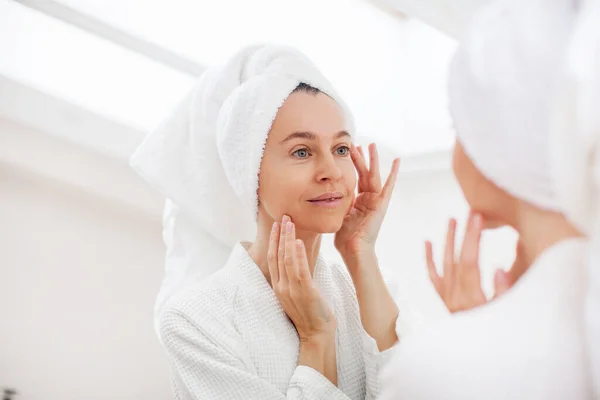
[527, 344]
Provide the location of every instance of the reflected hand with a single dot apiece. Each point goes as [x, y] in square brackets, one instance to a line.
[460, 285]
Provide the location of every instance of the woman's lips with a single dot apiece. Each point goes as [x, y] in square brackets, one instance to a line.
[331, 201]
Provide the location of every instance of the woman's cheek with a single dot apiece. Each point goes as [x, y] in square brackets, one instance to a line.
[350, 179]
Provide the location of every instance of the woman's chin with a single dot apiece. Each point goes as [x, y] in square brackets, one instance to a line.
[329, 227]
[323, 225]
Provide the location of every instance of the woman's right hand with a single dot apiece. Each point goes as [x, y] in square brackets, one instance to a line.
[294, 286]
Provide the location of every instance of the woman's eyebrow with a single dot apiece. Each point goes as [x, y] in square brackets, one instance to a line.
[310, 136]
[300, 135]
[342, 134]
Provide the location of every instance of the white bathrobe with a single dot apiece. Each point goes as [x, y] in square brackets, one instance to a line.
[528, 344]
[229, 338]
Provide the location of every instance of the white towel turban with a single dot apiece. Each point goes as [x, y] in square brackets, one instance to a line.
[525, 97]
[205, 157]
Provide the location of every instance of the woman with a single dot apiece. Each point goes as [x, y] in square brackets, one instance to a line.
[262, 149]
[524, 161]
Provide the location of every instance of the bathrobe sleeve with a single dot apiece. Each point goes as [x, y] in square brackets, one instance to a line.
[206, 369]
[375, 360]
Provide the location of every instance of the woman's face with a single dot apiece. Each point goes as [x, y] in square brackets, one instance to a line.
[306, 170]
[483, 196]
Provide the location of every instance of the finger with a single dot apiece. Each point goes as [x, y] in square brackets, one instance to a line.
[361, 167]
[390, 182]
[374, 177]
[360, 164]
[362, 154]
[502, 282]
[365, 183]
[272, 254]
[434, 277]
[290, 253]
[449, 260]
[302, 262]
[469, 255]
[281, 250]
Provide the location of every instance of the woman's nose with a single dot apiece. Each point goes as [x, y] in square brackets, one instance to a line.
[328, 169]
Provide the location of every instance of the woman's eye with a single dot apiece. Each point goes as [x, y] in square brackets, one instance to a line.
[343, 151]
[301, 153]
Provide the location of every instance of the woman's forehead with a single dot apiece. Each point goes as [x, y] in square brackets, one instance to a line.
[316, 114]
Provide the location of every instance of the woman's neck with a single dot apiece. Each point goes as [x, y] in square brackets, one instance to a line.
[260, 247]
[538, 230]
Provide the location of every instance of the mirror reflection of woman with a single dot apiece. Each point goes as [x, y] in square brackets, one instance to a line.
[524, 94]
[277, 321]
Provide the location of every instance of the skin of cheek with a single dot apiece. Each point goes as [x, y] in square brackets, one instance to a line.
[286, 189]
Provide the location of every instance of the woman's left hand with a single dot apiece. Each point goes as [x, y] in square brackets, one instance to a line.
[362, 224]
[356, 243]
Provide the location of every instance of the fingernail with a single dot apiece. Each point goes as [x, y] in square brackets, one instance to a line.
[289, 227]
[501, 277]
[274, 228]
